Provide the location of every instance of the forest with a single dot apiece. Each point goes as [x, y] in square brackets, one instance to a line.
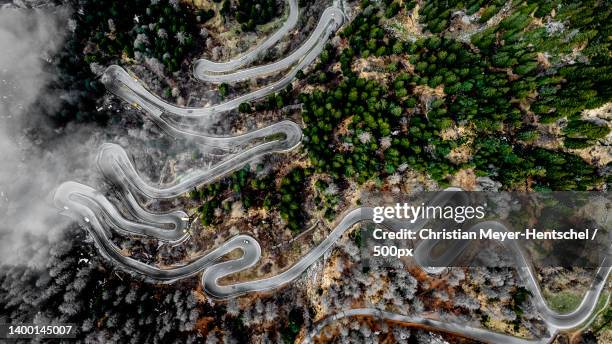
[494, 85]
[253, 191]
[537, 68]
[251, 13]
[104, 32]
[78, 286]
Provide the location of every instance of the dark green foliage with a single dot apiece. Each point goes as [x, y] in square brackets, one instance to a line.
[498, 158]
[564, 171]
[276, 101]
[606, 319]
[367, 36]
[250, 13]
[327, 198]
[294, 323]
[223, 90]
[548, 170]
[486, 88]
[479, 94]
[583, 86]
[255, 192]
[582, 134]
[519, 296]
[245, 108]
[436, 15]
[375, 111]
[585, 130]
[357, 237]
[409, 5]
[204, 15]
[392, 9]
[243, 185]
[292, 195]
[577, 143]
[488, 12]
[163, 31]
[528, 135]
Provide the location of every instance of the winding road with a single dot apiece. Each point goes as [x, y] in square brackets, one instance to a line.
[129, 88]
[101, 217]
[331, 19]
[203, 67]
[474, 333]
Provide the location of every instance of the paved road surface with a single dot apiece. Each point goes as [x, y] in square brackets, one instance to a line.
[120, 82]
[204, 67]
[94, 211]
[475, 333]
[331, 19]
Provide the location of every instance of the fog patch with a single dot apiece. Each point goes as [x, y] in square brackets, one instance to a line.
[29, 167]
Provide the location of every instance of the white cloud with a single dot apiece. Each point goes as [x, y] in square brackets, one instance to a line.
[27, 171]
